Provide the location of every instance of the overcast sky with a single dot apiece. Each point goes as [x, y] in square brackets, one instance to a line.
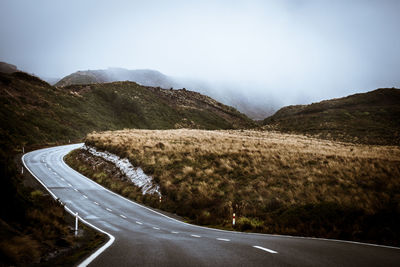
[296, 50]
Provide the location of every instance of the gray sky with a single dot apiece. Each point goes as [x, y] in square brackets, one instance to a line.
[293, 50]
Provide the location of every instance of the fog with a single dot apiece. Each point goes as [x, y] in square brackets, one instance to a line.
[281, 52]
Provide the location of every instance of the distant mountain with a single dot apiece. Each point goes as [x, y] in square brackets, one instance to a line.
[369, 118]
[142, 77]
[157, 79]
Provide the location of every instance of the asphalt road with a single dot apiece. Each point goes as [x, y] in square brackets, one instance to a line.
[146, 238]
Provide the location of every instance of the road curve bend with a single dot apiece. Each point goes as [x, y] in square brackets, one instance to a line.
[144, 237]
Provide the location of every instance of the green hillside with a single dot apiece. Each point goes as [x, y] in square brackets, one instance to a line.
[368, 118]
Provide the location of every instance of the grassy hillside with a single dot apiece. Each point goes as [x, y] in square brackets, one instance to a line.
[229, 94]
[368, 118]
[276, 183]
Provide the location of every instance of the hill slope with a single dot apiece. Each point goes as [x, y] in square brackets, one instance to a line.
[7, 68]
[274, 182]
[32, 111]
[143, 77]
[369, 118]
[230, 94]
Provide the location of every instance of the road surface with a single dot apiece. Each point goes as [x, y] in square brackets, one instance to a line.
[146, 238]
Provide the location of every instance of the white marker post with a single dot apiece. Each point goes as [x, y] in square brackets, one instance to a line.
[233, 220]
[76, 224]
[160, 199]
[22, 170]
[23, 150]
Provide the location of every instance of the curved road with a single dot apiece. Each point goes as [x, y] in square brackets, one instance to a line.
[146, 238]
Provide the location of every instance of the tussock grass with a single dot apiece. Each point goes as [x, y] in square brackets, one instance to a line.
[264, 177]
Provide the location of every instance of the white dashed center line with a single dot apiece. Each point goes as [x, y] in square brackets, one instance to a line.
[96, 203]
[84, 196]
[123, 216]
[108, 209]
[173, 232]
[156, 228]
[62, 179]
[195, 235]
[76, 189]
[70, 184]
[265, 249]
[138, 222]
[223, 239]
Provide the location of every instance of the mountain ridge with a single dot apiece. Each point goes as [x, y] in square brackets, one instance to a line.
[146, 77]
[33, 110]
[368, 118]
[154, 78]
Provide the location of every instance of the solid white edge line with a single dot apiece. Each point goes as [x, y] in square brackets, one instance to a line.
[100, 250]
[266, 249]
[225, 231]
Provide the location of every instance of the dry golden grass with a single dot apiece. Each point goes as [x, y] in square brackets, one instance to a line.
[213, 173]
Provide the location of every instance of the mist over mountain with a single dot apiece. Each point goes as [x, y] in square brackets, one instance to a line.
[250, 104]
[143, 77]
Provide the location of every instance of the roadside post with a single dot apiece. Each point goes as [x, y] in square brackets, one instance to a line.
[22, 170]
[76, 224]
[233, 220]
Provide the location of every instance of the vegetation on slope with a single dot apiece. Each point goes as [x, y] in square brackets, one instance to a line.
[35, 112]
[368, 118]
[276, 183]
